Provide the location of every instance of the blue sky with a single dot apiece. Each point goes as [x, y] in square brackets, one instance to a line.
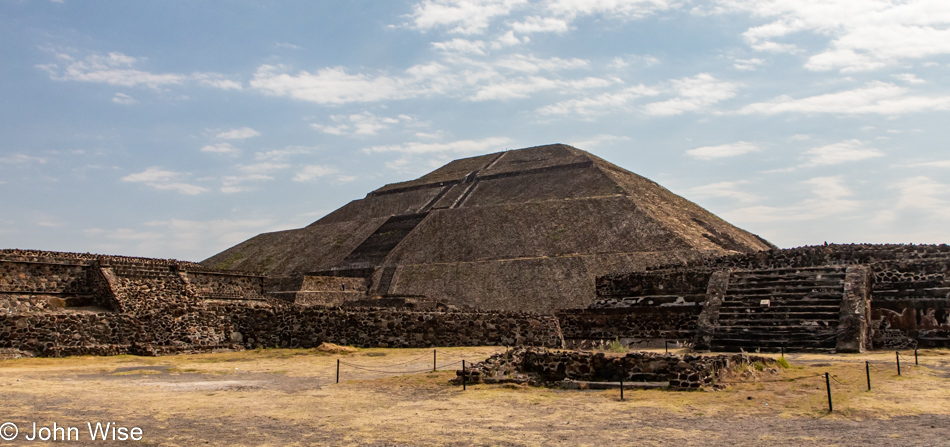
[177, 129]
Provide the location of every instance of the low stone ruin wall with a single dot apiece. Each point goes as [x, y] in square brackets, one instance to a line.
[629, 324]
[44, 277]
[553, 368]
[221, 285]
[186, 327]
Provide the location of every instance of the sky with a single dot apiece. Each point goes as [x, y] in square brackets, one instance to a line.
[178, 129]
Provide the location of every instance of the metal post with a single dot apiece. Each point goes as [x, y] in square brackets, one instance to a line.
[463, 375]
[622, 373]
[667, 346]
[898, 355]
[867, 369]
[828, 385]
[337, 370]
[783, 350]
[915, 357]
[433, 360]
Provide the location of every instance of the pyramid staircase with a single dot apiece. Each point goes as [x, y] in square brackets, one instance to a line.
[795, 309]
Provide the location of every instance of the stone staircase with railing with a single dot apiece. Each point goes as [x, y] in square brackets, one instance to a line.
[794, 308]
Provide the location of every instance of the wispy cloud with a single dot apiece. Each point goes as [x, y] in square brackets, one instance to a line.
[120, 70]
[221, 148]
[723, 150]
[693, 94]
[459, 147]
[164, 180]
[238, 134]
[864, 35]
[122, 98]
[21, 159]
[736, 190]
[362, 124]
[311, 172]
[830, 196]
[843, 152]
[874, 98]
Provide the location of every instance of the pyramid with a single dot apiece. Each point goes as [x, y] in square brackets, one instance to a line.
[525, 229]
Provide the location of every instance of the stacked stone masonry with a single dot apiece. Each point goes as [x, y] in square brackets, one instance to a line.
[554, 368]
[836, 297]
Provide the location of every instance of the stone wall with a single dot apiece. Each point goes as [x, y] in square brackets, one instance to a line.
[544, 367]
[48, 277]
[909, 290]
[629, 324]
[210, 325]
[222, 285]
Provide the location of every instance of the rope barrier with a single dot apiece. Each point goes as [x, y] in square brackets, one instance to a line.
[835, 378]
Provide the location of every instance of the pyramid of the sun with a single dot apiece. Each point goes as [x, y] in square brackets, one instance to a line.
[526, 229]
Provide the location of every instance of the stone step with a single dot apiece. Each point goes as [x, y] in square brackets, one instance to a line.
[811, 316]
[774, 331]
[783, 310]
[749, 283]
[778, 324]
[792, 271]
[780, 300]
[754, 289]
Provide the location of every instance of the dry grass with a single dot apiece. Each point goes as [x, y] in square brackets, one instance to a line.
[288, 397]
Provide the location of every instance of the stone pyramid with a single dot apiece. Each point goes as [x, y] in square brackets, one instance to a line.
[525, 229]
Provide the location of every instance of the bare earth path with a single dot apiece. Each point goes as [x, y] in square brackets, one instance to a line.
[289, 397]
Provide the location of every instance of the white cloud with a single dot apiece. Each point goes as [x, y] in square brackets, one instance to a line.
[747, 64]
[910, 78]
[238, 134]
[217, 80]
[221, 148]
[310, 172]
[461, 46]
[843, 152]
[600, 103]
[119, 69]
[492, 144]
[864, 34]
[235, 183]
[694, 93]
[924, 194]
[263, 167]
[597, 141]
[524, 87]
[330, 86]
[530, 64]
[933, 164]
[731, 190]
[113, 68]
[283, 154]
[362, 124]
[874, 98]
[626, 9]
[164, 180]
[467, 16]
[122, 98]
[535, 24]
[21, 159]
[723, 150]
[830, 196]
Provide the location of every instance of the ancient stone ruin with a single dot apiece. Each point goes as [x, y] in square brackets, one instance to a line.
[546, 246]
[571, 369]
[526, 229]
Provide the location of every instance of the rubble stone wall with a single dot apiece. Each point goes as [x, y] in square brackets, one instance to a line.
[553, 367]
[43, 277]
[225, 324]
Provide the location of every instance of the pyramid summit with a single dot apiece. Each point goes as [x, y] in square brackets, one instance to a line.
[525, 229]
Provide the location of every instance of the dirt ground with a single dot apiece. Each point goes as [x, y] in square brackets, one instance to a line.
[280, 397]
